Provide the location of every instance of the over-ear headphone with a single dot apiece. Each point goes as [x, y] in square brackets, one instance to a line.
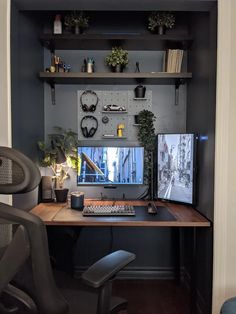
[92, 107]
[88, 132]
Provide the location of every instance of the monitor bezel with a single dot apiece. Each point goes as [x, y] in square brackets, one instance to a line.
[115, 184]
[195, 140]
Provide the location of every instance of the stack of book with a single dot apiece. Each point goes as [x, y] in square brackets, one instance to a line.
[172, 61]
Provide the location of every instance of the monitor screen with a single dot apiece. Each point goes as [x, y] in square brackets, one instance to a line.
[175, 167]
[110, 165]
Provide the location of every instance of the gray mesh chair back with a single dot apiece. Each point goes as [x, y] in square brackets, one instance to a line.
[18, 174]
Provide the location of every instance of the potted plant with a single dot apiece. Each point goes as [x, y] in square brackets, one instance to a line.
[77, 21]
[147, 137]
[60, 154]
[117, 59]
[159, 21]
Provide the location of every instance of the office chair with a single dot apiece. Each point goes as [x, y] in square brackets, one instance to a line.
[229, 306]
[18, 174]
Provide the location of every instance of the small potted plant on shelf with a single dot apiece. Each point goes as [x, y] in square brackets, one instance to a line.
[159, 21]
[146, 137]
[117, 59]
[60, 154]
[77, 21]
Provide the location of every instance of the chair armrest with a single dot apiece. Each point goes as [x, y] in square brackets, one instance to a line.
[106, 268]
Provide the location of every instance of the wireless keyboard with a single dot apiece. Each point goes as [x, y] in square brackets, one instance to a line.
[107, 210]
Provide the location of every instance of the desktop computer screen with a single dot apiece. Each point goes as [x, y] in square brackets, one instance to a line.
[110, 165]
[176, 167]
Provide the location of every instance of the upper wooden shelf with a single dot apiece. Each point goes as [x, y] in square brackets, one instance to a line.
[130, 41]
[162, 78]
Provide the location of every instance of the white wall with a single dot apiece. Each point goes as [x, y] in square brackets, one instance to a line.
[224, 282]
[5, 108]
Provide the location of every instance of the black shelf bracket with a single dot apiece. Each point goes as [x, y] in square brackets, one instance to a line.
[53, 93]
[178, 82]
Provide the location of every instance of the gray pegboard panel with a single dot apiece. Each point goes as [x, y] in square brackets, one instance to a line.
[135, 106]
[89, 124]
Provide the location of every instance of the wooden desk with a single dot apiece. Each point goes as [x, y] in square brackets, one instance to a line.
[59, 214]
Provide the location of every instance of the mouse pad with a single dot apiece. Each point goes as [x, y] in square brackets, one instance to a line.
[162, 214]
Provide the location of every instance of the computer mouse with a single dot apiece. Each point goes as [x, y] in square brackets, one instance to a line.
[151, 208]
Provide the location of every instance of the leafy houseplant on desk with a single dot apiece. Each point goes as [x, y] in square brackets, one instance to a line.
[117, 59]
[60, 154]
[146, 137]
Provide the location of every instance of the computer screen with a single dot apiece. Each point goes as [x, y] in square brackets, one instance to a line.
[176, 167]
[110, 165]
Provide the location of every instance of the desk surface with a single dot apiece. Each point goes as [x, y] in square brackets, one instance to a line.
[59, 214]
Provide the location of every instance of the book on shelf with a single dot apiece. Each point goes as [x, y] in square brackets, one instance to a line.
[172, 60]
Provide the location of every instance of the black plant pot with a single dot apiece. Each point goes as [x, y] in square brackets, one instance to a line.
[140, 91]
[117, 68]
[61, 195]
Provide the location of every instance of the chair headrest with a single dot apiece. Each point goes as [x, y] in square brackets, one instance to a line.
[18, 174]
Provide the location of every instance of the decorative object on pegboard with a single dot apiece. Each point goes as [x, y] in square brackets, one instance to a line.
[140, 91]
[137, 69]
[120, 128]
[86, 131]
[105, 119]
[84, 106]
[76, 22]
[117, 59]
[114, 108]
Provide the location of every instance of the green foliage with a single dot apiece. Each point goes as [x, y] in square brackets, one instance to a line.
[146, 129]
[156, 19]
[117, 56]
[67, 141]
[76, 19]
[146, 137]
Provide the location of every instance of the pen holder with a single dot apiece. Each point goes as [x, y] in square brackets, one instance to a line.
[77, 200]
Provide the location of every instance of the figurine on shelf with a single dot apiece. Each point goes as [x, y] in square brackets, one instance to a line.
[57, 27]
[137, 70]
[90, 65]
[120, 128]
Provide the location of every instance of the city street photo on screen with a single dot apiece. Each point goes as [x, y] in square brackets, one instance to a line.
[175, 167]
[110, 165]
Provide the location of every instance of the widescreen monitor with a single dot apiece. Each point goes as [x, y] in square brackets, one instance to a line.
[176, 167]
[110, 165]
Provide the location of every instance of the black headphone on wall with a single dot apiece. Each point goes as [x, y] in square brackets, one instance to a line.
[85, 107]
[88, 132]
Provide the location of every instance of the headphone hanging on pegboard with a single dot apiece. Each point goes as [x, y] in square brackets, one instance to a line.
[84, 106]
[88, 132]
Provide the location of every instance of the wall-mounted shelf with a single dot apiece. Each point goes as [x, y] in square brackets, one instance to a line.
[139, 98]
[160, 78]
[114, 137]
[130, 41]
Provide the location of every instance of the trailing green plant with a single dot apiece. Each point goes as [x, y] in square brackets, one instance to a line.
[156, 19]
[118, 56]
[66, 141]
[77, 18]
[146, 137]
